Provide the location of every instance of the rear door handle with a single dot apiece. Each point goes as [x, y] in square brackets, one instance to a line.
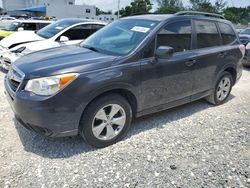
[190, 63]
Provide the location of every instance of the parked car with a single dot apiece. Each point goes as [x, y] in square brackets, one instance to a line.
[62, 32]
[245, 36]
[246, 61]
[70, 36]
[132, 67]
[6, 20]
[21, 25]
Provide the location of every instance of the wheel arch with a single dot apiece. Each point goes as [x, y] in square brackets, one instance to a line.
[123, 90]
[231, 68]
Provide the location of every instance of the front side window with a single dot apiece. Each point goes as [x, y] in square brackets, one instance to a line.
[227, 33]
[177, 35]
[79, 32]
[207, 34]
[120, 37]
[54, 28]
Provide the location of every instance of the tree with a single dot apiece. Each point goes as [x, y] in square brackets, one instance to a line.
[99, 11]
[136, 7]
[202, 5]
[219, 5]
[169, 6]
[237, 15]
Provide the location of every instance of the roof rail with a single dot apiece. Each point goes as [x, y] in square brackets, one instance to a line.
[199, 13]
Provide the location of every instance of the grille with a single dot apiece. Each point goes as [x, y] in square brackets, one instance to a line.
[14, 79]
[14, 84]
[7, 61]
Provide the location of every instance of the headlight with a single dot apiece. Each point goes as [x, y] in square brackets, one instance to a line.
[50, 85]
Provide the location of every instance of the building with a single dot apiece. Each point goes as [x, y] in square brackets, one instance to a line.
[106, 17]
[53, 8]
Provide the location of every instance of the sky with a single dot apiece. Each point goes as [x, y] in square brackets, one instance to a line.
[113, 4]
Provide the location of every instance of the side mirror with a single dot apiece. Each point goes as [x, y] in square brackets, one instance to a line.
[63, 39]
[164, 52]
[20, 29]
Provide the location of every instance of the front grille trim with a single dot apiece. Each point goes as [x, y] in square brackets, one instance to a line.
[15, 78]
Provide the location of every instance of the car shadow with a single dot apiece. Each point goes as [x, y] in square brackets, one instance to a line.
[70, 146]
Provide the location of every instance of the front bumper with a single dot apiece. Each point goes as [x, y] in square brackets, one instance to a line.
[56, 116]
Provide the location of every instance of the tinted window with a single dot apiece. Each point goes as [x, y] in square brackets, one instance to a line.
[97, 27]
[80, 32]
[42, 25]
[227, 33]
[54, 28]
[207, 34]
[176, 35]
[29, 26]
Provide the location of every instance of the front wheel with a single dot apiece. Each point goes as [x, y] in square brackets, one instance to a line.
[222, 89]
[106, 120]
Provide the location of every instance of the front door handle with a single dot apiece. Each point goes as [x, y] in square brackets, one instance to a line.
[190, 63]
[222, 54]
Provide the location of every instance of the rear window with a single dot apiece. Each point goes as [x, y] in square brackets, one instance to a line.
[227, 33]
[207, 34]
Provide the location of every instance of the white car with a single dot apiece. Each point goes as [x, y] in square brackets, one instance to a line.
[62, 32]
[4, 21]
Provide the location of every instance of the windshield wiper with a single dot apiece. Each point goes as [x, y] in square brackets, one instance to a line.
[91, 48]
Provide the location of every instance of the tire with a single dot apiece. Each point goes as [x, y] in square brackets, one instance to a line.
[98, 121]
[214, 98]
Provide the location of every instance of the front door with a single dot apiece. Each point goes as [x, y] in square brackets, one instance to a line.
[169, 80]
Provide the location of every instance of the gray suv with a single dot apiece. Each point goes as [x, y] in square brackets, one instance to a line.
[132, 67]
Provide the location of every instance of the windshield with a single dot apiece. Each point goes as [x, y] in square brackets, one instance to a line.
[12, 26]
[120, 37]
[54, 28]
[246, 31]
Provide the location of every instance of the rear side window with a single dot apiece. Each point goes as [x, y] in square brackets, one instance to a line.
[29, 26]
[79, 32]
[227, 33]
[176, 35]
[42, 25]
[207, 34]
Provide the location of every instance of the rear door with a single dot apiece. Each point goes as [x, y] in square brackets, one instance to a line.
[209, 55]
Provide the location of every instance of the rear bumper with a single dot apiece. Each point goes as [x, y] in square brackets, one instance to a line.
[50, 117]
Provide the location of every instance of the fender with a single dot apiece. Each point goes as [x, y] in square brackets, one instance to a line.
[218, 74]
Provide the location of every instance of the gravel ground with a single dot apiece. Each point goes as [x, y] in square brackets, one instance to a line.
[195, 145]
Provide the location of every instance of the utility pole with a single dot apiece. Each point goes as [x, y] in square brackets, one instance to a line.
[118, 12]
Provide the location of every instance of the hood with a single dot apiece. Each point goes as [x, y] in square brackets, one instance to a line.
[62, 60]
[38, 45]
[20, 37]
[5, 33]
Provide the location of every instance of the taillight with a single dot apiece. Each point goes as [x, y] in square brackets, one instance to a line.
[242, 49]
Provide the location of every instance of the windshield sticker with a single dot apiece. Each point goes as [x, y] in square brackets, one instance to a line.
[140, 29]
[59, 28]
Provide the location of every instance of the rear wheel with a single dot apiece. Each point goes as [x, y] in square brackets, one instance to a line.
[222, 90]
[106, 120]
